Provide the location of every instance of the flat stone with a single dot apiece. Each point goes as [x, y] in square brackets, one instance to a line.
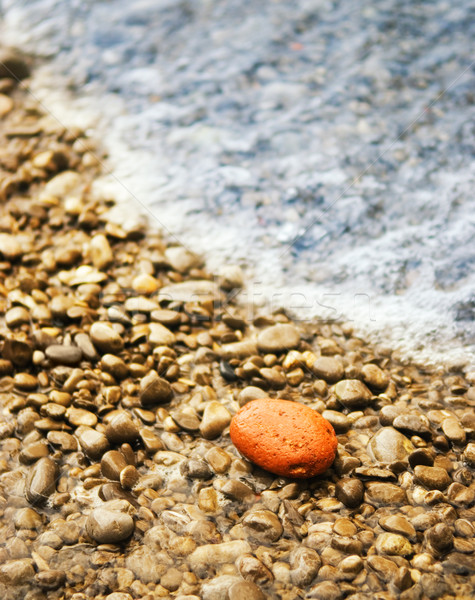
[389, 445]
[63, 441]
[64, 355]
[414, 424]
[169, 318]
[398, 524]
[218, 554]
[245, 590]
[108, 526]
[340, 422]
[278, 338]
[453, 430]
[283, 437]
[17, 572]
[381, 494]
[80, 416]
[145, 284]
[190, 291]
[41, 482]
[433, 478]
[239, 349]
[352, 393]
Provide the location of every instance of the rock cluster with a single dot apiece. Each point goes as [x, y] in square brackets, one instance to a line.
[122, 365]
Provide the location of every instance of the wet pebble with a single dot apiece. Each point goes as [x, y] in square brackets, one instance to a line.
[328, 368]
[216, 418]
[41, 481]
[109, 526]
[352, 393]
[105, 338]
[283, 437]
[154, 390]
[388, 445]
[433, 478]
[278, 338]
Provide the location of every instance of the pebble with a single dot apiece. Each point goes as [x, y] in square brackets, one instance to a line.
[328, 368]
[278, 338]
[112, 463]
[440, 537]
[17, 316]
[216, 418]
[231, 277]
[41, 481]
[340, 422]
[217, 554]
[350, 492]
[398, 524]
[10, 246]
[304, 566]
[384, 493]
[17, 572]
[94, 443]
[145, 284]
[245, 590]
[469, 454]
[109, 526]
[105, 338]
[454, 432]
[374, 377]
[154, 389]
[120, 428]
[393, 544]
[64, 355]
[181, 259]
[433, 478]
[262, 526]
[388, 445]
[101, 252]
[160, 335]
[115, 366]
[283, 437]
[352, 393]
[413, 424]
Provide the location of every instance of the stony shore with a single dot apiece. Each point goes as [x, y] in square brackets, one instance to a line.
[122, 362]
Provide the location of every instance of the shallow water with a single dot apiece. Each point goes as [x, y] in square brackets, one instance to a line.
[327, 146]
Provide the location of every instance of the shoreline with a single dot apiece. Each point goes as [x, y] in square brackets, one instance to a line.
[204, 520]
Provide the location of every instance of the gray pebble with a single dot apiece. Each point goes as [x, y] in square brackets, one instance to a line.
[328, 368]
[384, 493]
[263, 526]
[64, 355]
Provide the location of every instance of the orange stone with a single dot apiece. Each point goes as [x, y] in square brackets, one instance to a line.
[284, 437]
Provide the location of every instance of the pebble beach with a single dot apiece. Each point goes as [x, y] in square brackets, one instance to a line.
[123, 361]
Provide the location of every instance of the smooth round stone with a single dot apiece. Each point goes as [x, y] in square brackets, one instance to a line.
[17, 351]
[350, 492]
[284, 437]
[109, 526]
[115, 366]
[17, 316]
[145, 284]
[25, 381]
[94, 443]
[129, 477]
[160, 335]
[393, 544]
[41, 481]
[453, 431]
[340, 422]
[278, 338]
[433, 478]
[166, 317]
[27, 518]
[101, 252]
[245, 590]
[80, 416]
[304, 566]
[10, 247]
[17, 572]
[440, 537]
[216, 418]
[262, 526]
[83, 341]
[64, 355]
[374, 377]
[195, 468]
[469, 454]
[352, 393]
[50, 579]
[250, 393]
[105, 338]
[389, 445]
[328, 368]
[120, 428]
[112, 463]
[154, 390]
[414, 424]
